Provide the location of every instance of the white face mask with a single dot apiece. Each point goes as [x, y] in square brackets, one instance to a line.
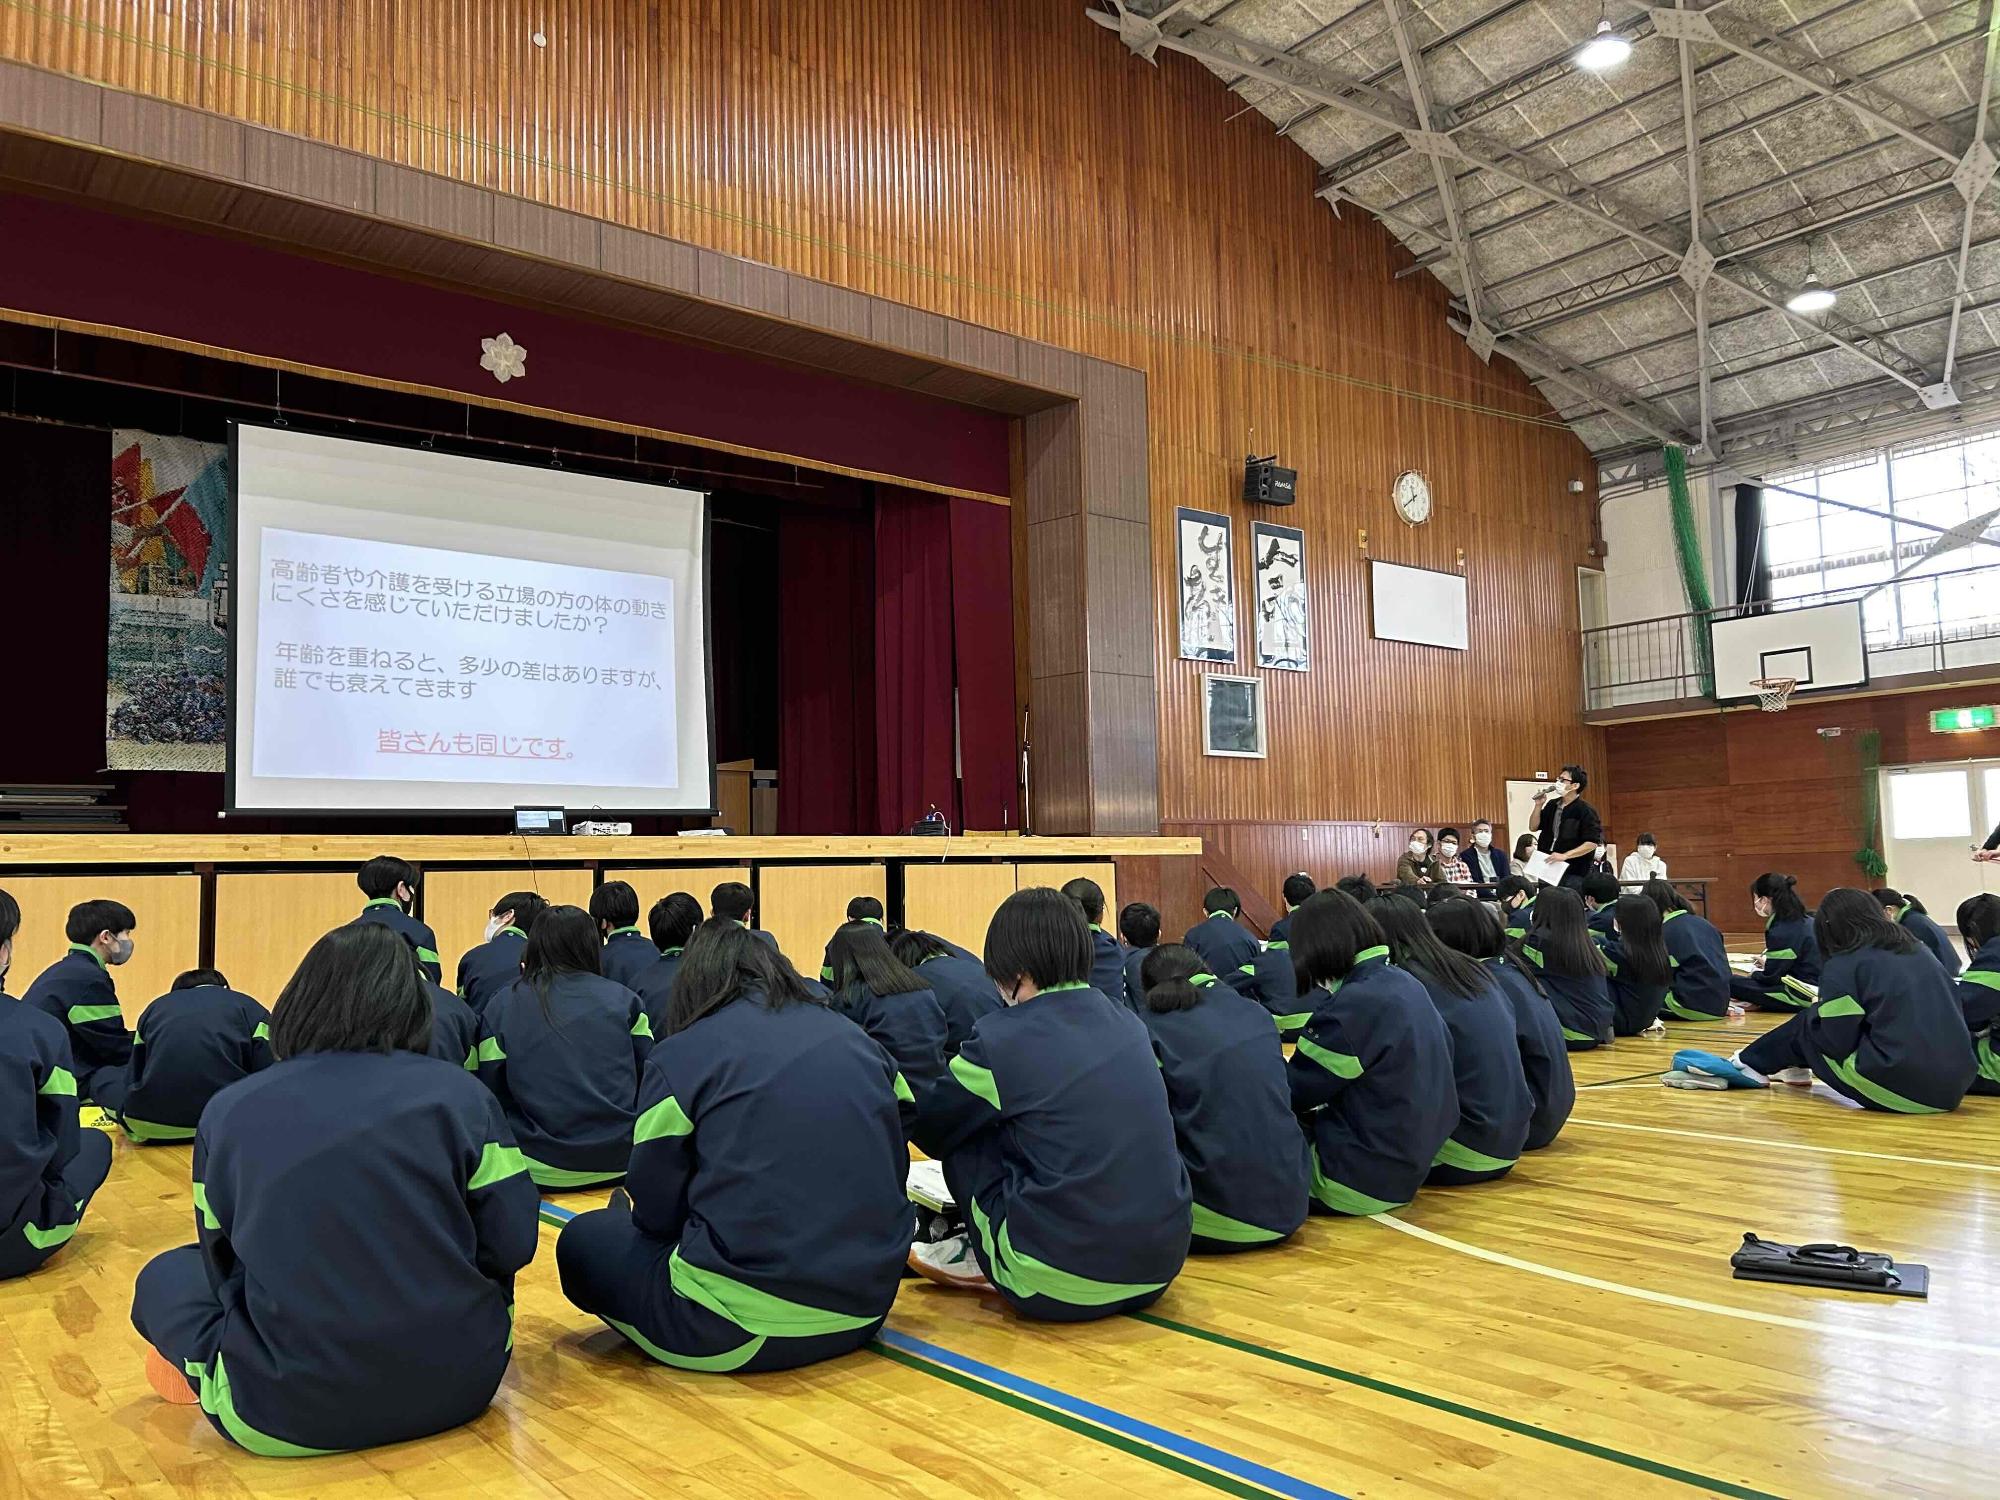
[1449, 851]
[493, 926]
[1483, 837]
[1645, 851]
[1419, 848]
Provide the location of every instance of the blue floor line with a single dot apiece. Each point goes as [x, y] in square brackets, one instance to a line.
[1159, 1437]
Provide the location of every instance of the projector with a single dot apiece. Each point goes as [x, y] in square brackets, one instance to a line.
[600, 830]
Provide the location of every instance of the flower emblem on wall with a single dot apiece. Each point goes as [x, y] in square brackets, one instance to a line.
[505, 358]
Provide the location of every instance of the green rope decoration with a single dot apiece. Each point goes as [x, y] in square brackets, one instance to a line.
[1694, 573]
[1869, 856]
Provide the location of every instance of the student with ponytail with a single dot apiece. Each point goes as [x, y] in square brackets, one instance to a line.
[1979, 985]
[1561, 955]
[1790, 949]
[1637, 965]
[1469, 927]
[1909, 912]
[1225, 1074]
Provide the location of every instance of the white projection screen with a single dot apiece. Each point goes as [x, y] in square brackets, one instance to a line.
[1418, 604]
[423, 632]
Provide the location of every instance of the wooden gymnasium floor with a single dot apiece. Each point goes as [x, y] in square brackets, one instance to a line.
[1572, 1331]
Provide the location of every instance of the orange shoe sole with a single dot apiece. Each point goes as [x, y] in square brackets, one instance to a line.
[168, 1383]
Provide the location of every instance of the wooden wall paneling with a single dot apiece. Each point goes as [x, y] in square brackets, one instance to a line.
[956, 901]
[265, 922]
[456, 903]
[1171, 885]
[801, 905]
[166, 942]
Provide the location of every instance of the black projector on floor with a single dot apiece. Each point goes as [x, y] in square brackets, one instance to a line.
[1264, 483]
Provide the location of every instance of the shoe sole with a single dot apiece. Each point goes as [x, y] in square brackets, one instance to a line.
[945, 1278]
[168, 1383]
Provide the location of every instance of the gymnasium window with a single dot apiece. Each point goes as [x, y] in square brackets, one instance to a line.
[1813, 548]
[1930, 805]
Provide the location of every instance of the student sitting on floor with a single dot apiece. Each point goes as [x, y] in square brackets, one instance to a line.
[628, 952]
[49, 1169]
[671, 924]
[390, 884]
[1297, 890]
[886, 998]
[1495, 1105]
[1139, 927]
[1887, 1032]
[1107, 959]
[964, 990]
[1560, 954]
[361, 1212]
[1515, 896]
[1790, 949]
[1600, 894]
[1055, 1135]
[1638, 967]
[1469, 927]
[561, 1048]
[454, 1028]
[485, 971]
[767, 1225]
[1979, 985]
[76, 990]
[191, 1044]
[1232, 1107]
[1271, 980]
[1372, 1071]
[859, 909]
[1223, 945]
[1701, 959]
[1909, 911]
[733, 901]
[1356, 887]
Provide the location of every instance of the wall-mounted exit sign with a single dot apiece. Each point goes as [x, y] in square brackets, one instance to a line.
[1960, 720]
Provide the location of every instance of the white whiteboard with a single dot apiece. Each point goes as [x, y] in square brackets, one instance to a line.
[1417, 604]
[1820, 646]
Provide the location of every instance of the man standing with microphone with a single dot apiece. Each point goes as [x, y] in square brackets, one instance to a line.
[1570, 828]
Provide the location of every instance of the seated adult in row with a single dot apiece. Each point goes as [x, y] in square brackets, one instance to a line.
[49, 1169]
[191, 1044]
[486, 970]
[1451, 870]
[1417, 865]
[628, 952]
[1487, 864]
[390, 884]
[77, 991]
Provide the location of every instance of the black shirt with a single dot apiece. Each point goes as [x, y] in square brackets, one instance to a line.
[1567, 827]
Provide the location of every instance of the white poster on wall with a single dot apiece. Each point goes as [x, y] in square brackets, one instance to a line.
[1279, 553]
[1207, 586]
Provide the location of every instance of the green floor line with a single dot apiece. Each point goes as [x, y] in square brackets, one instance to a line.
[1459, 1409]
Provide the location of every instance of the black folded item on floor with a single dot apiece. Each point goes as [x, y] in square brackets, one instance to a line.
[1840, 1268]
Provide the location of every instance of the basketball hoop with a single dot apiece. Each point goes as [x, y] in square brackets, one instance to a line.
[1774, 694]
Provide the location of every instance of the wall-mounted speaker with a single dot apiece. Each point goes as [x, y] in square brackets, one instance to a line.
[1264, 483]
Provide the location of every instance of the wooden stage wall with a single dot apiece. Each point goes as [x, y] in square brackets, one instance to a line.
[1014, 166]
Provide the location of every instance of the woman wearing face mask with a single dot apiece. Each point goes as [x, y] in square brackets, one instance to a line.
[1644, 862]
[1790, 949]
[1451, 869]
[1418, 866]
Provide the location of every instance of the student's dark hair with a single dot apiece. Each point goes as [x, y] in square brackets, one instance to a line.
[1781, 892]
[1642, 938]
[860, 954]
[1601, 888]
[732, 899]
[10, 916]
[1424, 834]
[1849, 919]
[1514, 885]
[1577, 774]
[1449, 833]
[1139, 924]
[913, 946]
[1479, 823]
[1038, 934]
[1436, 895]
[356, 990]
[1663, 895]
[673, 919]
[1979, 920]
[195, 979]
[1357, 887]
[1560, 934]
[1167, 974]
[525, 905]
[382, 874]
[723, 963]
[92, 917]
[1297, 888]
[1221, 898]
[864, 909]
[615, 902]
[1466, 926]
[563, 940]
[1524, 846]
[1413, 946]
[1088, 896]
[1647, 838]
[1893, 901]
[1328, 933]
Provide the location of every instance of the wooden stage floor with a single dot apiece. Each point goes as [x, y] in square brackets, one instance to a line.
[1571, 1331]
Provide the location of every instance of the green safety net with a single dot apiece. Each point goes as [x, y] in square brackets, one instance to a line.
[1694, 572]
[1869, 856]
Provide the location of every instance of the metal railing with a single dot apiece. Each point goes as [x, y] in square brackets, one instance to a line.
[1919, 624]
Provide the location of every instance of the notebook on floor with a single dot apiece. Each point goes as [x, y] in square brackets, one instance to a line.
[927, 1187]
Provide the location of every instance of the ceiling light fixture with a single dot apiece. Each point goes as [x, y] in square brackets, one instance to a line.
[1607, 49]
[1812, 296]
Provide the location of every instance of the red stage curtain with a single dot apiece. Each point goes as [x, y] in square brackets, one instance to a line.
[914, 730]
[982, 612]
[826, 716]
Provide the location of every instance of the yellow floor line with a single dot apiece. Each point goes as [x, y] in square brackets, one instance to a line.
[1687, 1304]
[1751, 1140]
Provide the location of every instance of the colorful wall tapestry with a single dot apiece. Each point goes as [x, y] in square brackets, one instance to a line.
[167, 680]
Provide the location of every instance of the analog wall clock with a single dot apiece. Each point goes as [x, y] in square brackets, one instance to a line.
[1412, 494]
